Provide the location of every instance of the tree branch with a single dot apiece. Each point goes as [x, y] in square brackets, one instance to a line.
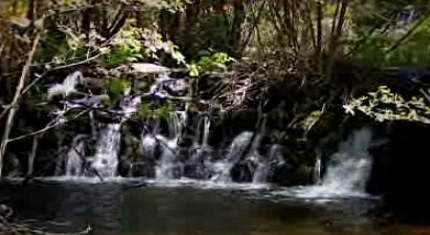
[14, 104]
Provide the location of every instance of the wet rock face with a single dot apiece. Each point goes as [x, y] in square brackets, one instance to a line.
[281, 175]
[401, 164]
[401, 169]
[144, 168]
[243, 172]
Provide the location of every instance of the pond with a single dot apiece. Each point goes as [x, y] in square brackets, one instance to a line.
[132, 207]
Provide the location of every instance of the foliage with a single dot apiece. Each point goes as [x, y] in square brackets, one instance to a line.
[209, 62]
[384, 105]
[135, 44]
[294, 42]
[215, 32]
[415, 50]
[124, 48]
[115, 88]
[154, 43]
[148, 110]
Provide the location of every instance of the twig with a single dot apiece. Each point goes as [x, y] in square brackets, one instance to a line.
[407, 35]
[50, 125]
[46, 166]
[256, 20]
[20, 228]
[89, 167]
[40, 77]
[77, 63]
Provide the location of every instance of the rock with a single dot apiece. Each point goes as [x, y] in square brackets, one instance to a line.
[5, 211]
[243, 171]
[149, 68]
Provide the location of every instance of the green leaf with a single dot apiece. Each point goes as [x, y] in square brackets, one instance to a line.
[194, 70]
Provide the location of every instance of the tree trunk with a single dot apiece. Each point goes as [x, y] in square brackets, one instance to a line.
[31, 8]
[188, 32]
[337, 28]
[236, 30]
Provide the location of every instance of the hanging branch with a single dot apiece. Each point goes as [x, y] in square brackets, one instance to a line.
[407, 35]
[364, 39]
[53, 124]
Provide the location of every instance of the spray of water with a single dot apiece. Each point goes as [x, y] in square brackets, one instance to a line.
[265, 166]
[317, 177]
[222, 168]
[73, 161]
[347, 172]
[106, 157]
[168, 164]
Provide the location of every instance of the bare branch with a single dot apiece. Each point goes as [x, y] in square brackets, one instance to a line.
[14, 104]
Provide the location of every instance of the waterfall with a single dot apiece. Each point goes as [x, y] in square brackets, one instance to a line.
[168, 164]
[148, 144]
[317, 170]
[67, 87]
[32, 155]
[238, 146]
[265, 165]
[106, 157]
[206, 129]
[262, 171]
[347, 171]
[201, 144]
[73, 157]
[350, 167]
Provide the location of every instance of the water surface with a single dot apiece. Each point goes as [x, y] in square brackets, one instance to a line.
[125, 209]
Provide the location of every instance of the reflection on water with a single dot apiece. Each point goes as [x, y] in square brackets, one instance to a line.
[114, 208]
[67, 206]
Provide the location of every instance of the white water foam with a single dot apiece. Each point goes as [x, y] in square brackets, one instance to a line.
[106, 157]
[167, 164]
[67, 87]
[265, 166]
[222, 168]
[347, 173]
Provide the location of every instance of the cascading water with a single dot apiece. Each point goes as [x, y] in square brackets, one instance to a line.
[161, 155]
[206, 129]
[350, 167]
[317, 170]
[244, 148]
[223, 167]
[106, 158]
[167, 165]
[261, 172]
[148, 144]
[347, 172]
[265, 165]
[204, 164]
[74, 159]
